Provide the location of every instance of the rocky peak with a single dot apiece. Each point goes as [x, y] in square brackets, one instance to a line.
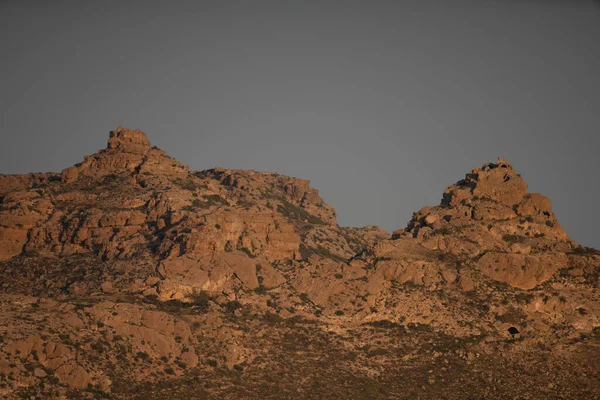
[490, 216]
[493, 195]
[132, 196]
[133, 273]
[128, 141]
[497, 181]
[128, 151]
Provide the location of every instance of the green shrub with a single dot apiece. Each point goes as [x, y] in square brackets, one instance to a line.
[513, 238]
[260, 289]
[582, 250]
[306, 252]
[232, 306]
[209, 201]
[304, 297]
[294, 212]
[442, 231]
[200, 301]
[211, 362]
[524, 298]
[247, 251]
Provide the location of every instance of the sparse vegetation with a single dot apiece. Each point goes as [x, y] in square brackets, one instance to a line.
[232, 306]
[142, 355]
[304, 297]
[524, 298]
[582, 250]
[209, 201]
[513, 238]
[107, 286]
[247, 251]
[260, 289]
[298, 213]
[306, 252]
[441, 231]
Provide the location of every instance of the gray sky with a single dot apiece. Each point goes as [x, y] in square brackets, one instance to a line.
[381, 104]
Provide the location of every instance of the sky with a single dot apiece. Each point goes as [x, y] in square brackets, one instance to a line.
[381, 104]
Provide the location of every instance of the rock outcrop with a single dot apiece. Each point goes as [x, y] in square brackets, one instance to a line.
[490, 215]
[131, 199]
[128, 150]
[130, 275]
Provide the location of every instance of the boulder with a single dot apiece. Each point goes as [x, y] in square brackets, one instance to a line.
[523, 271]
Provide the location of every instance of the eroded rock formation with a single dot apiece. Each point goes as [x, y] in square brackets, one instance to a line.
[129, 270]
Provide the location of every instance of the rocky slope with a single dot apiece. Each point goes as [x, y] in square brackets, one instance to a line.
[131, 276]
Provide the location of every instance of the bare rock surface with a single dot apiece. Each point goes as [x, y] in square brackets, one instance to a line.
[131, 276]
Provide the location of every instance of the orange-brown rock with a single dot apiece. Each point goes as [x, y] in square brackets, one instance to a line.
[17, 183]
[128, 150]
[491, 212]
[133, 276]
[523, 271]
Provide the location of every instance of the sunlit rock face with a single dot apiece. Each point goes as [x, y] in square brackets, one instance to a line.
[130, 275]
[490, 215]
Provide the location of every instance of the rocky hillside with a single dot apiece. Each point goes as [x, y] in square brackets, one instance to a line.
[131, 276]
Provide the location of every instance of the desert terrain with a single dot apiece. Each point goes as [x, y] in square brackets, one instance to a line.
[131, 276]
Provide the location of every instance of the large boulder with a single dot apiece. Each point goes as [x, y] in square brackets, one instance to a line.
[523, 271]
[184, 276]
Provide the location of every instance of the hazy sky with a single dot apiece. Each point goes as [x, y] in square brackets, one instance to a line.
[381, 104]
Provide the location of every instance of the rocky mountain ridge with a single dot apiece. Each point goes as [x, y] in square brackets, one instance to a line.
[129, 270]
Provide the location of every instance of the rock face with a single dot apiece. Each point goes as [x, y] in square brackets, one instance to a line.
[524, 271]
[15, 183]
[490, 214]
[132, 200]
[128, 150]
[130, 275]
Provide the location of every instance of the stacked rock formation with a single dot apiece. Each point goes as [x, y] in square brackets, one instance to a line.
[130, 270]
[491, 215]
